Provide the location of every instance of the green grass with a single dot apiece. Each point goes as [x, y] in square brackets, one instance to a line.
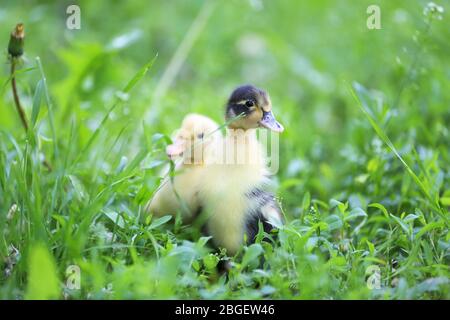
[364, 161]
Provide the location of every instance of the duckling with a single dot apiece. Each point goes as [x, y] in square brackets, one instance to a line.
[234, 195]
[193, 147]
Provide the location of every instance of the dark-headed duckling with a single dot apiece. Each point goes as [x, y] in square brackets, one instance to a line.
[234, 191]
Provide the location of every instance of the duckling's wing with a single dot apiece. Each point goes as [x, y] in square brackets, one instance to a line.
[264, 209]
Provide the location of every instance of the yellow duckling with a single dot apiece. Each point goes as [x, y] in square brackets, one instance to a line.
[234, 193]
[194, 145]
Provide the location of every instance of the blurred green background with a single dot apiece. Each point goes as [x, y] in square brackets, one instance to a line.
[306, 55]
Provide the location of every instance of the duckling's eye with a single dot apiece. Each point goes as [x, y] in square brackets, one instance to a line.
[249, 103]
[201, 135]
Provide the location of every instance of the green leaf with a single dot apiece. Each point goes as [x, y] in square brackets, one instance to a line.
[334, 222]
[401, 223]
[252, 253]
[37, 102]
[381, 207]
[306, 202]
[159, 222]
[410, 217]
[210, 261]
[371, 247]
[115, 217]
[139, 75]
[432, 284]
[78, 186]
[337, 261]
[445, 201]
[355, 213]
[61, 219]
[202, 241]
[43, 282]
[362, 104]
[429, 227]
[341, 206]
[49, 105]
[196, 265]
[136, 161]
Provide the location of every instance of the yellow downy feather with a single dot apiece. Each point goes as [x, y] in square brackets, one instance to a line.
[226, 184]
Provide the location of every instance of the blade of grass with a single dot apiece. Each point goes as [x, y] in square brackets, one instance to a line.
[180, 56]
[36, 102]
[16, 72]
[49, 107]
[138, 76]
[391, 146]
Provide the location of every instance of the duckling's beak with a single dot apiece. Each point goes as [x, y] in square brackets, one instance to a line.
[175, 149]
[268, 121]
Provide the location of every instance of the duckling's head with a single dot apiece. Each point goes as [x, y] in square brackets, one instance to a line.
[195, 139]
[256, 108]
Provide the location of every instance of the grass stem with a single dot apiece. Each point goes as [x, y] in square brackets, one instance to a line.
[19, 108]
